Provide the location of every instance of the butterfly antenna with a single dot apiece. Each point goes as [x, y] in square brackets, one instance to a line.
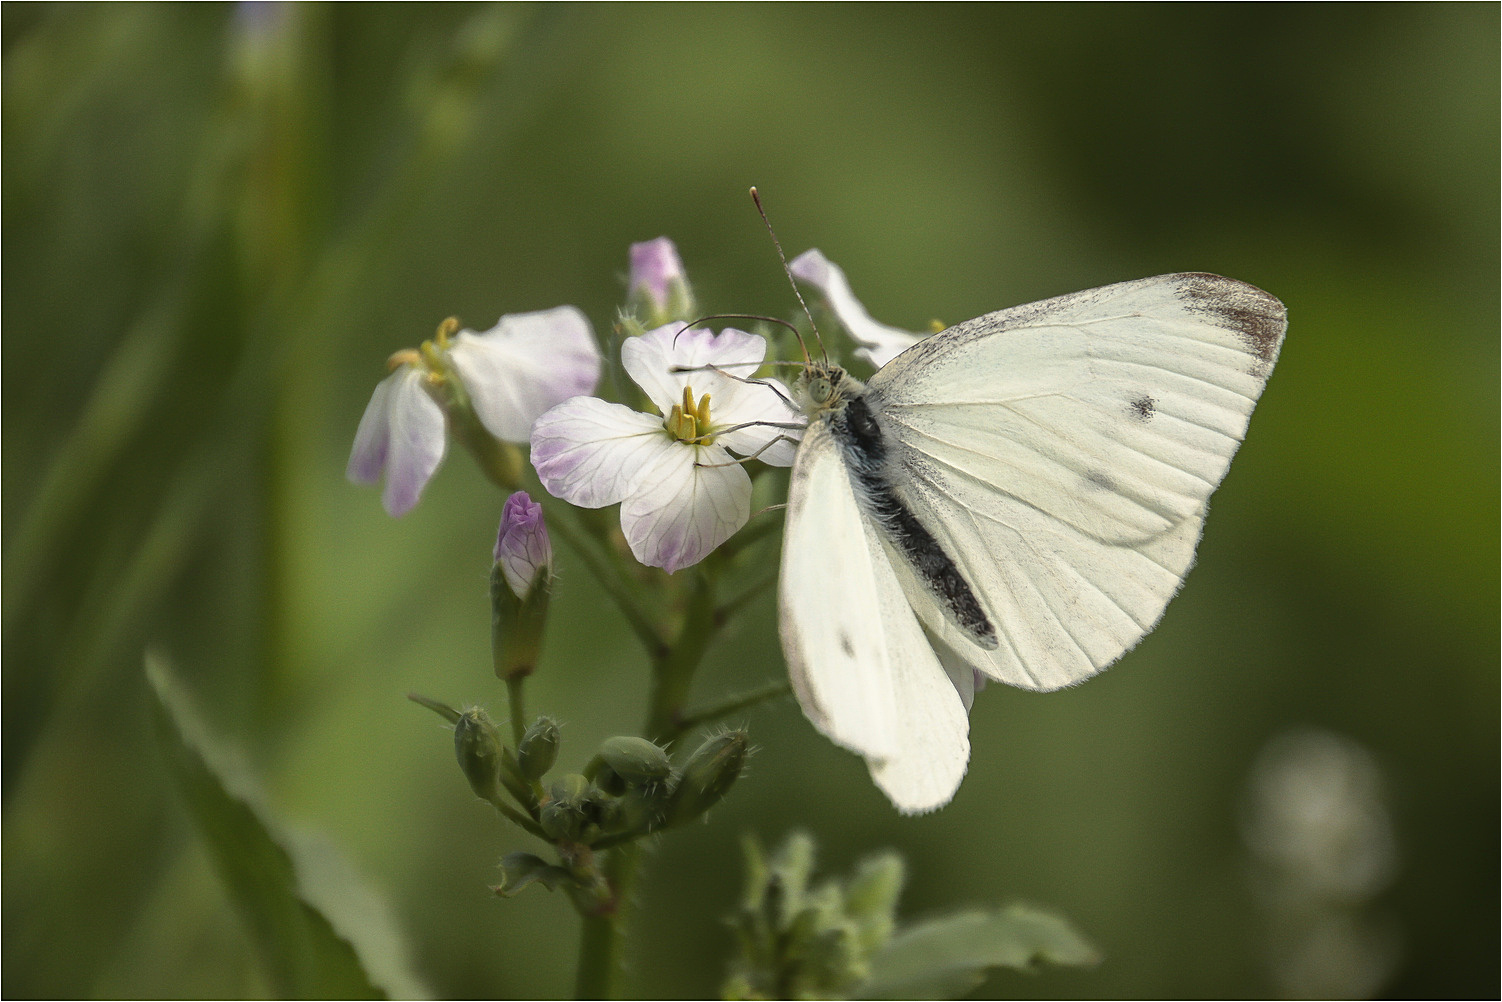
[756, 197]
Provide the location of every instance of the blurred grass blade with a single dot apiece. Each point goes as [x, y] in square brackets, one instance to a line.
[126, 389]
[291, 891]
[948, 957]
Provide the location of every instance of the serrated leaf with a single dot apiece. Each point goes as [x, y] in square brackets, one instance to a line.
[518, 869]
[947, 957]
[321, 932]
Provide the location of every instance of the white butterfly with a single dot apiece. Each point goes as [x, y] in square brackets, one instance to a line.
[1020, 494]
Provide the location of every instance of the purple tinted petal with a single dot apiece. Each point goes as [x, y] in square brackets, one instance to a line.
[522, 545]
[417, 437]
[372, 438]
[880, 343]
[654, 267]
[524, 365]
[589, 452]
[689, 501]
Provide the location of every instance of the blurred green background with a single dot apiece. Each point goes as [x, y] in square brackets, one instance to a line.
[218, 221]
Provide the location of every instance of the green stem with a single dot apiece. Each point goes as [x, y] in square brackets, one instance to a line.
[517, 818]
[518, 708]
[603, 943]
[673, 673]
[561, 521]
[733, 704]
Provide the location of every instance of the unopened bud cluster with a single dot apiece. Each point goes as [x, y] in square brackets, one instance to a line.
[803, 941]
[630, 788]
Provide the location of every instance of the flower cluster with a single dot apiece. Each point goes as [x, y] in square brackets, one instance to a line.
[507, 376]
[528, 380]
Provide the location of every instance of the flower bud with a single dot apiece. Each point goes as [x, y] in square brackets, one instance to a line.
[521, 582]
[659, 288]
[477, 745]
[708, 776]
[562, 817]
[538, 749]
[522, 546]
[642, 809]
[636, 760]
[871, 899]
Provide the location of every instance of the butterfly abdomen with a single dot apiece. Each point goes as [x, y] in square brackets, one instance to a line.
[864, 446]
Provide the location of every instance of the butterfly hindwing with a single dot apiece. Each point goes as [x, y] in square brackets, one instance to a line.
[859, 660]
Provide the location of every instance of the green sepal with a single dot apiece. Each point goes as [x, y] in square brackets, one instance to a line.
[477, 746]
[636, 760]
[566, 812]
[707, 776]
[517, 624]
[518, 869]
[538, 749]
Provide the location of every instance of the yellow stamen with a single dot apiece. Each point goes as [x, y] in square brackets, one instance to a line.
[447, 328]
[689, 421]
[407, 356]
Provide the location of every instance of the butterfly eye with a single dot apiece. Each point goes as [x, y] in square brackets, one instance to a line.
[820, 389]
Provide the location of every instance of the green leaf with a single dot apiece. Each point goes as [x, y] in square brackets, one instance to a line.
[518, 869]
[320, 931]
[949, 956]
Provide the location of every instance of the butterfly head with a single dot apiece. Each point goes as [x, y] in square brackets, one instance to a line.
[825, 387]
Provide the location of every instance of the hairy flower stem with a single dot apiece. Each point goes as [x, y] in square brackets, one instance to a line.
[515, 698]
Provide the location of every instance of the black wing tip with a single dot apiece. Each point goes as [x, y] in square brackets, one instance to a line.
[1259, 318]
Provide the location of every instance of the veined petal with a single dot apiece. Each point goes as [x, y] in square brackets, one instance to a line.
[650, 359]
[761, 407]
[525, 364]
[590, 453]
[402, 432]
[684, 505]
[880, 343]
[522, 545]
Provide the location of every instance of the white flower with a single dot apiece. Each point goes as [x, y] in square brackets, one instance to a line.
[681, 493]
[511, 373]
[880, 343]
[402, 432]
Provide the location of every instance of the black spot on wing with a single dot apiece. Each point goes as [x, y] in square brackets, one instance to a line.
[1256, 317]
[846, 644]
[1144, 407]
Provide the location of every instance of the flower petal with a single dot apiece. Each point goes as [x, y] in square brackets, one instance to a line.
[650, 359]
[525, 364]
[763, 407]
[402, 432]
[372, 439]
[880, 343]
[589, 452]
[684, 505]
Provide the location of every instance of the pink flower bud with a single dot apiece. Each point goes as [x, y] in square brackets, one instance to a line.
[522, 545]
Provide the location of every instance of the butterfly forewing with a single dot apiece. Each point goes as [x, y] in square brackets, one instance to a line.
[1063, 453]
[858, 658]
[1115, 411]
